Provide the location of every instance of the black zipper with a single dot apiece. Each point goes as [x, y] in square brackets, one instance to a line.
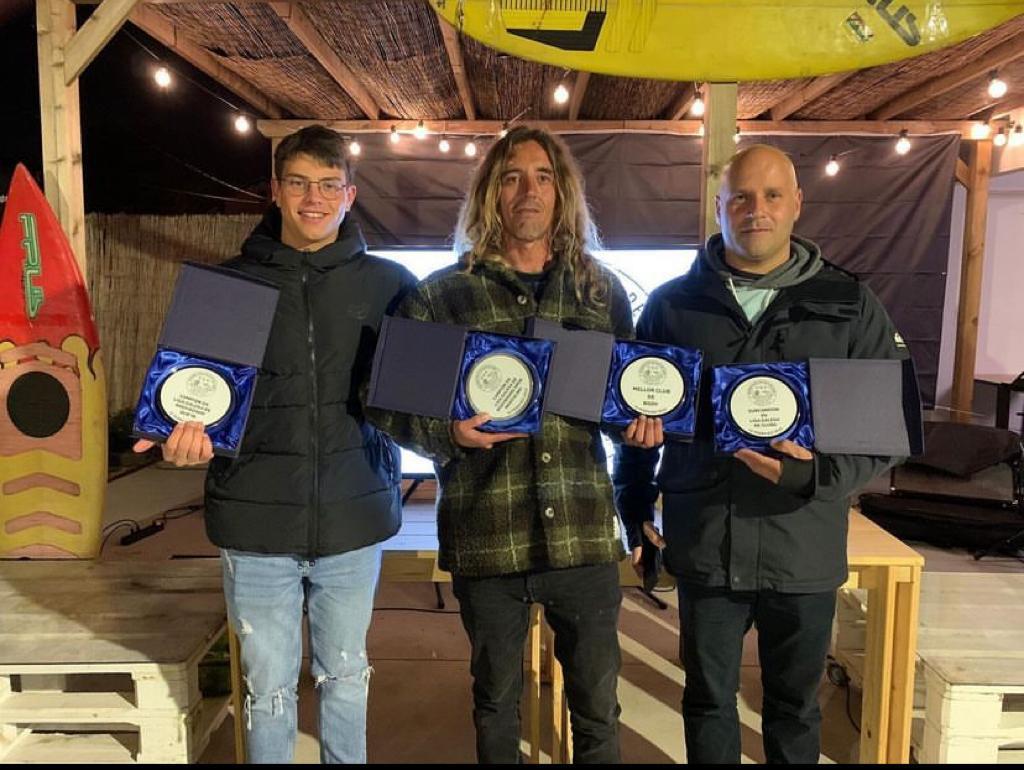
[314, 418]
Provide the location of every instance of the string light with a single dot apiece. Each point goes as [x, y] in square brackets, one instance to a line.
[997, 87]
[395, 136]
[698, 106]
[561, 94]
[1000, 138]
[832, 167]
[980, 130]
[471, 149]
[420, 132]
[242, 124]
[354, 148]
[504, 130]
[162, 76]
[1017, 137]
[903, 143]
[444, 145]
[736, 136]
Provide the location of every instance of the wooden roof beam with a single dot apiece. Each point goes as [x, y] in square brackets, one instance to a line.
[579, 89]
[450, 35]
[275, 128]
[1001, 55]
[307, 33]
[682, 103]
[157, 27]
[796, 100]
[95, 33]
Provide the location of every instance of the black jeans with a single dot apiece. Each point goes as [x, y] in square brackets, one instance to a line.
[793, 636]
[581, 605]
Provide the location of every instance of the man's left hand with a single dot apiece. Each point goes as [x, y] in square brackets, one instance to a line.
[769, 467]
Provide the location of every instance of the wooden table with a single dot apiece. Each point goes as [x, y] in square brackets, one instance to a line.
[888, 569]
[138, 630]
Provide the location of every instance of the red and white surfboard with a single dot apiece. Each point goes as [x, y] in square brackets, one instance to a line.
[53, 414]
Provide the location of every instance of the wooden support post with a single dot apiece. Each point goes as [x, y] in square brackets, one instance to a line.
[61, 124]
[94, 34]
[972, 261]
[718, 146]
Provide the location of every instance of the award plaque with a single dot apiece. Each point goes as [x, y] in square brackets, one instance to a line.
[756, 404]
[207, 357]
[503, 376]
[763, 406]
[501, 384]
[653, 380]
[652, 386]
[195, 393]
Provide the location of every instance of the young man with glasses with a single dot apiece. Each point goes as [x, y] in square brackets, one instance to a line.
[301, 512]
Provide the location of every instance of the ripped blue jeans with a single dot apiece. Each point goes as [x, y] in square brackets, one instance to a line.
[264, 595]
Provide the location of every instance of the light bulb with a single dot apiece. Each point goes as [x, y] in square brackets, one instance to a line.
[162, 76]
[420, 132]
[561, 94]
[395, 136]
[903, 143]
[1017, 137]
[242, 124]
[444, 145]
[471, 149]
[997, 87]
[354, 148]
[1000, 138]
[697, 108]
[980, 130]
[832, 167]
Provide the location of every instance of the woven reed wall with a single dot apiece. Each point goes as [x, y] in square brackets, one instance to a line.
[133, 264]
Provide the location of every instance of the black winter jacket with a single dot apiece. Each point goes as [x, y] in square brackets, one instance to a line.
[312, 477]
[725, 525]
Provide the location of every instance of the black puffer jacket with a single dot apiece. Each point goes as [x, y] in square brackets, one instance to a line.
[725, 525]
[312, 478]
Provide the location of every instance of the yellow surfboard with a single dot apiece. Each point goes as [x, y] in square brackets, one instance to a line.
[53, 405]
[711, 40]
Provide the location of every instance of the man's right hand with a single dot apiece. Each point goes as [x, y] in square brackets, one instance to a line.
[653, 534]
[188, 444]
[465, 433]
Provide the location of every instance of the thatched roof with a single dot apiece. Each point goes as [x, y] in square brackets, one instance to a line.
[394, 52]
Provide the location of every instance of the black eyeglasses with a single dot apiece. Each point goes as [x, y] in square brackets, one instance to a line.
[330, 189]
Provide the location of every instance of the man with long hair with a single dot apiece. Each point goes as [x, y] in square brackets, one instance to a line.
[524, 519]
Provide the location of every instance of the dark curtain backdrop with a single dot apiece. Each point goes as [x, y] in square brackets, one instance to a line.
[884, 217]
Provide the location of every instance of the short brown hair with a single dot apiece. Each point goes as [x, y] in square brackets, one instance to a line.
[320, 143]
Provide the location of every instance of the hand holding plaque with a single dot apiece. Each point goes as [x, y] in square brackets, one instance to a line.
[205, 366]
[502, 376]
[652, 380]
[756, 404]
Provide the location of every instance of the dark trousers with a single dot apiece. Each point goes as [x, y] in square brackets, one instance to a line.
[581, 605]
[793, 636]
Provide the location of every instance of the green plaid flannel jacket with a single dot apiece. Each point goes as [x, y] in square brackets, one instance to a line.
[543, 502]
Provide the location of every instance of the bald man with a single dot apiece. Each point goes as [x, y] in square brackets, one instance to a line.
[754, 539]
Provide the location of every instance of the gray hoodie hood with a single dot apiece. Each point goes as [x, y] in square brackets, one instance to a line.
[804, 262]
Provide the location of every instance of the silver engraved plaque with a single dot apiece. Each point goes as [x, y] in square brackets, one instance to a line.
[652, 386]
[195, 394]
[500, 384]
[763, 406]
